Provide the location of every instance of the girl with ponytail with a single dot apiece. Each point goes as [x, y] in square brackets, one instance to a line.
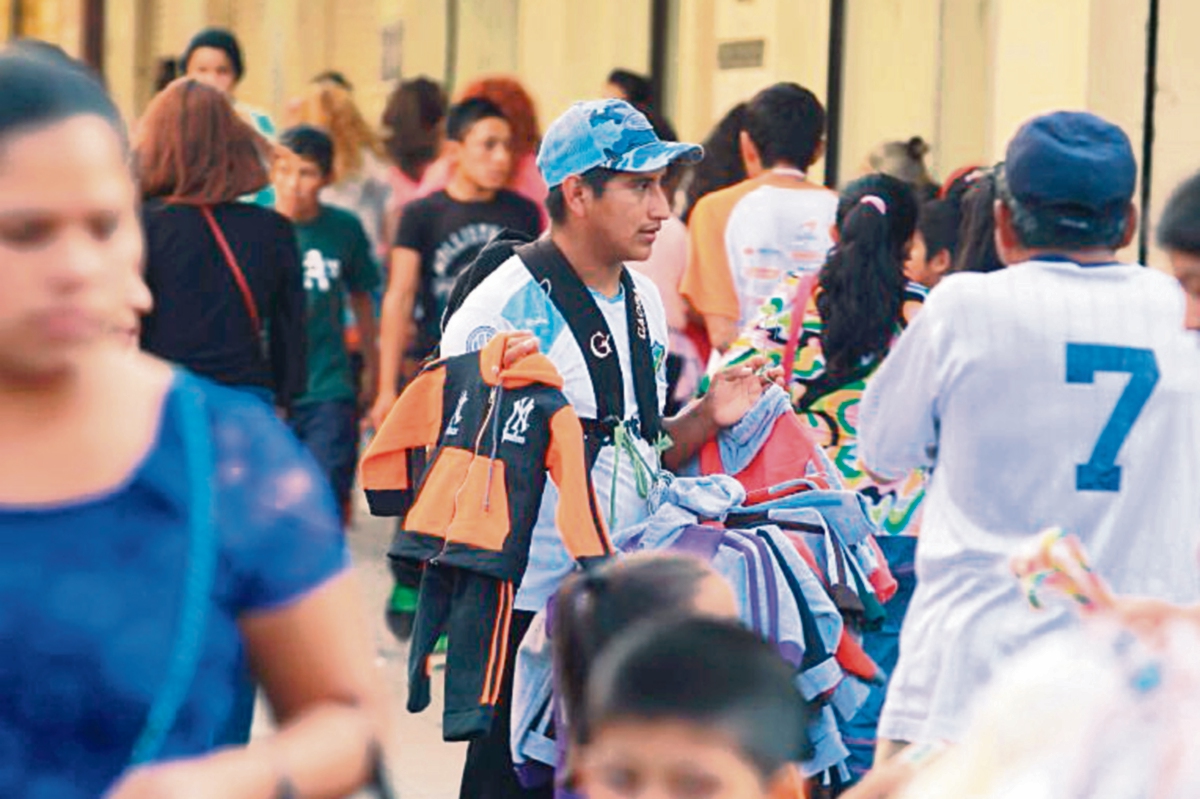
[851, 313]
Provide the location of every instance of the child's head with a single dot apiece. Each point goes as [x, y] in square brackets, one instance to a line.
[479, 139]
[1179, 234]
[693, 707]
[592, 609]
[934, 245]
[302, 166]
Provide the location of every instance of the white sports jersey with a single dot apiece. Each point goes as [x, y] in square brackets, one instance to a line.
[1044, 394]
[510, 299]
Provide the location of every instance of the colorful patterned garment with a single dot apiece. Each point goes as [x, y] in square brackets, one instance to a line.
[832, 411]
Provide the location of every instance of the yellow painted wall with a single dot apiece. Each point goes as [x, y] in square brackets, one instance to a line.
[891, 76]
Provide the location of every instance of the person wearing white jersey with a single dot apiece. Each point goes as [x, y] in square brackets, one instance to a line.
[1062, 390]
[604, 328]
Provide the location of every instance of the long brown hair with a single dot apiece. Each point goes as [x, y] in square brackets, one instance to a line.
[331, 108]
[192, 148]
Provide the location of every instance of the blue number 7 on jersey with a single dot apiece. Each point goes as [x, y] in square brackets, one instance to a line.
[1101, 472]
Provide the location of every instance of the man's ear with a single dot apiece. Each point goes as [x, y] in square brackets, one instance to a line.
[575, 195]
[751, 158]
[941, 263]
[1008, 246]
[1131, 224]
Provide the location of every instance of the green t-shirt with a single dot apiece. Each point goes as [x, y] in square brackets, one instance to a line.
[336, 259]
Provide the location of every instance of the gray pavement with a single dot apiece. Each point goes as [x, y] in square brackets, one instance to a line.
[422, 766]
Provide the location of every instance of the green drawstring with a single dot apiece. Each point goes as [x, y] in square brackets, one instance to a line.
[644, 475]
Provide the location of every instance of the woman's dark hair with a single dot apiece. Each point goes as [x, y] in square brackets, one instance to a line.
[194, 149]
[334, 77]
[862, 282]
[42, 90]
[311, 144]
[635, 87]
[217, 39]
[786, 122]
[711, 674]
[722, 165]
[591, 609]
[413, 115]
[1179, 228]
[977, 228]
[166, 73]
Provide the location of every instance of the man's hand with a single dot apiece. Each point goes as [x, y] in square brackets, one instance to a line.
[384, 401]
[520, 345]
[734, 390]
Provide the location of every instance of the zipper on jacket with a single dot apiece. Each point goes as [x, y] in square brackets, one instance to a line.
[491, 406]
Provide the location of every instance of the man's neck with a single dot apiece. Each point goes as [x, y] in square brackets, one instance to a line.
[463, 190]
[599, 273]
[305, 215]
[1097, 255]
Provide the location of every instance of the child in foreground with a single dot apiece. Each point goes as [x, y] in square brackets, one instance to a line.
[693, 708]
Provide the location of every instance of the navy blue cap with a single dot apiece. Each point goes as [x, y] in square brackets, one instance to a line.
[1070, 159]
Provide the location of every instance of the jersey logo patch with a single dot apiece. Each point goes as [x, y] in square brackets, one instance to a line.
[518, 421]
[601, 344]
[478, 338]
[456, 419]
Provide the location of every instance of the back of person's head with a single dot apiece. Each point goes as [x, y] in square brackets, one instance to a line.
[332, 76]
[1179, 227]
[591, 609]
[715, 677]
[977, 228]
[786, 124]
[938, 223]
[634, 87]
[193, 148]
[465, 115]
[217, 39]
[517, 107]
[42, 90]
[905, 160]
[413, 117]
[1067, 184]
[862, 281]
[311, 144]
[722, 165]
[330, 107]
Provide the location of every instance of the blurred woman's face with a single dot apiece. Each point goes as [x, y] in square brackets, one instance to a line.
[70, 246]
[211, 65]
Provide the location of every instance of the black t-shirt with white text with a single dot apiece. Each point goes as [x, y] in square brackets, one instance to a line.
[448, 234]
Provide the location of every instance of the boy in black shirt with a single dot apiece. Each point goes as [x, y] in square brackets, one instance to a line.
[441, 234]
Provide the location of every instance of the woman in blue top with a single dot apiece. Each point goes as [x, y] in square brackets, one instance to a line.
[152, 524]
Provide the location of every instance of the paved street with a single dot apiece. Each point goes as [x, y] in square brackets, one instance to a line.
[424, 767]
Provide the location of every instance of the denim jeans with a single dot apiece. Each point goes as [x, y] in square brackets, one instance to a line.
[330, 431]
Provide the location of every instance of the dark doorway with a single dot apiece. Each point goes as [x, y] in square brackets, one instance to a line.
[93, 34]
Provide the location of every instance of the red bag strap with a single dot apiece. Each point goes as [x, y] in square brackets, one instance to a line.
[804, 292]
[238, 275]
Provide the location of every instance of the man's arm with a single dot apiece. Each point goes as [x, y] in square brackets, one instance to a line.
[722, 331]
[733, 392]
[707, 282]
[898, 416]
[368, 332]
[395, 318]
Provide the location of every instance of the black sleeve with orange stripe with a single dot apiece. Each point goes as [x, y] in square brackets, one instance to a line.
[392, 461]
[578, 516]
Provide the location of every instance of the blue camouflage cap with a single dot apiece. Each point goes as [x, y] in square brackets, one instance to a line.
[610, 134]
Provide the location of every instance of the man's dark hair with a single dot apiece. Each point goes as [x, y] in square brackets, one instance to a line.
[463, 116]
[1179, 228]
[786, 122]
[705, 672]
[596, 179]
[1063, 227]
[938, 223]
[636, 87]
[217, 39]
[335, 77]
[311, 144]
